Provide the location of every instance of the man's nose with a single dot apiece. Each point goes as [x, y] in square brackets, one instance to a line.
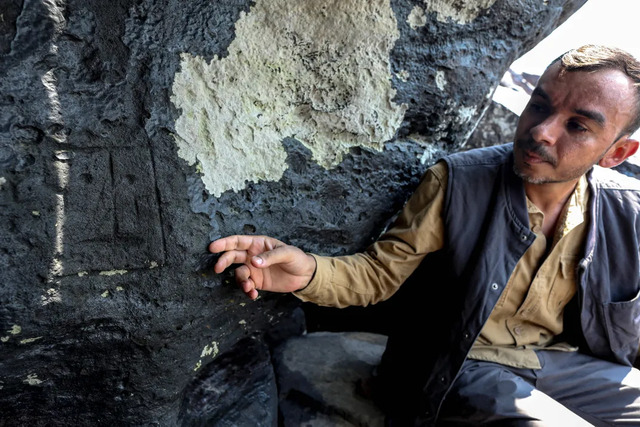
[547, 131]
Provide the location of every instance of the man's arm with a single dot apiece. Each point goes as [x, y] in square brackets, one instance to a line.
[359, 279]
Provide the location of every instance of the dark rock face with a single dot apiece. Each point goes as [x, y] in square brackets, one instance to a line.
[129, 132]
[498, 124]
[322, 379]
[240, 384]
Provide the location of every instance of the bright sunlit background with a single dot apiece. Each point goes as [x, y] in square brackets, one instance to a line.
[611, 22]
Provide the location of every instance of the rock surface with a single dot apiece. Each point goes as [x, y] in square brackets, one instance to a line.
[239, 384]
[322, 376]
[126, 129]
[498, 124]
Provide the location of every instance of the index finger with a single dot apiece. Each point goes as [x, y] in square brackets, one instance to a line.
[240, 242]
[230, 243]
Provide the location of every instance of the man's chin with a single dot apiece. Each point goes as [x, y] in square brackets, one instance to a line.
[529, 177]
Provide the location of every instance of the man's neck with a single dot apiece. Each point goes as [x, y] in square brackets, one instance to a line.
[550, 199]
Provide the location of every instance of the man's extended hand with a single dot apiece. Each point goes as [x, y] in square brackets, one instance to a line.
[269, 264]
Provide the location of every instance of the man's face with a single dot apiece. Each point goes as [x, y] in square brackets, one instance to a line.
[570, 123]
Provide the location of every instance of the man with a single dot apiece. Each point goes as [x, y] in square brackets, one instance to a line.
[529, 312]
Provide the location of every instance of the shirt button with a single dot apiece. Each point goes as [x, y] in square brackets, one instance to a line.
[443, 380]
[466, 335]
[517, 330]
[524, 237]
[494, 286]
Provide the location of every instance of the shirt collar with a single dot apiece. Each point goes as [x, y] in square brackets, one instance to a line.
[574, 212]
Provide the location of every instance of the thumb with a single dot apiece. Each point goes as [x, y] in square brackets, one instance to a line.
[279, 255]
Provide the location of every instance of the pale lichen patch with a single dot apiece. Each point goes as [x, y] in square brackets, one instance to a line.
[417, 18]
[113, 272]
[15, 330]
[433, 149]
[441, 80]
[465, 114]
[459, 11]
[29, 340]
[208, 350]
[52, 295]
[403, 75]
[293, 70]
[32, 379]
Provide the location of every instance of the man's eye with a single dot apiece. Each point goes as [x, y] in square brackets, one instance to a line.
[575, 126]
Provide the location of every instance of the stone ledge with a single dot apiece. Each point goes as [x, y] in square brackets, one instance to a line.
[320, 375]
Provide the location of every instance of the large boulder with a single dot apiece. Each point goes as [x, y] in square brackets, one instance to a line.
[132, 132]
[325, 379]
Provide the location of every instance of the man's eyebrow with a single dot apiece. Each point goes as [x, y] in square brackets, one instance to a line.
[593, 115]
[590, 114]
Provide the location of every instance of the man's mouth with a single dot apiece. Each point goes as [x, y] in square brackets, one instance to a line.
[534, 154]
[530, 157]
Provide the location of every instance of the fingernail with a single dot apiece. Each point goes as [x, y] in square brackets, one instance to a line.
[258, 260]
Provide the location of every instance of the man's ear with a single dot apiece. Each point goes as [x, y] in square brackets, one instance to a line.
[621, 150]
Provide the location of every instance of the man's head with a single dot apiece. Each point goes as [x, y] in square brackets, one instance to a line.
[592, 58]
[583, 112]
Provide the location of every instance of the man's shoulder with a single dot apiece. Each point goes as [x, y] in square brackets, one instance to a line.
[492, 155]
[610, 179]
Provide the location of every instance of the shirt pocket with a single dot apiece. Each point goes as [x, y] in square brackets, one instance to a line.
[564, 284]
[622, 321]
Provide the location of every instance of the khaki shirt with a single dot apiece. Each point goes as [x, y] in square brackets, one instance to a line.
[527, 316]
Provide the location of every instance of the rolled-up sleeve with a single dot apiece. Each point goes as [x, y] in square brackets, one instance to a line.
[377, 273]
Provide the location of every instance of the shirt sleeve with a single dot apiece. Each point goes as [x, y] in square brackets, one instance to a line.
[377, 273]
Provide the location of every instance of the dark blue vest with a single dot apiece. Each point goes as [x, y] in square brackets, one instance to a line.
[443, 306]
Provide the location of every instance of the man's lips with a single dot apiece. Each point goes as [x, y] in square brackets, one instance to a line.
[532, 158]
[532, 153]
